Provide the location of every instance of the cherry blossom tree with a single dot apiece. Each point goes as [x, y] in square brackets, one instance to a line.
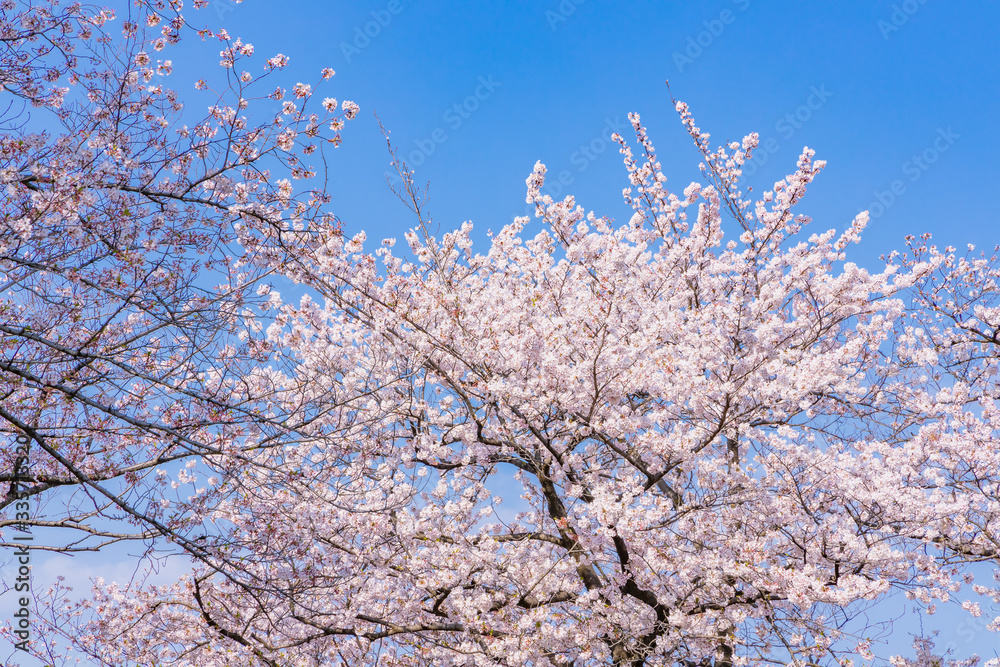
[699, 437]
[133, 238]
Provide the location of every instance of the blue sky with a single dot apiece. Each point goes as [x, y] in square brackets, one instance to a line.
[889, 93]
[901, 98]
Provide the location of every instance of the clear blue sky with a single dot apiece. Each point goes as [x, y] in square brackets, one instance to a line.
[902, 93]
